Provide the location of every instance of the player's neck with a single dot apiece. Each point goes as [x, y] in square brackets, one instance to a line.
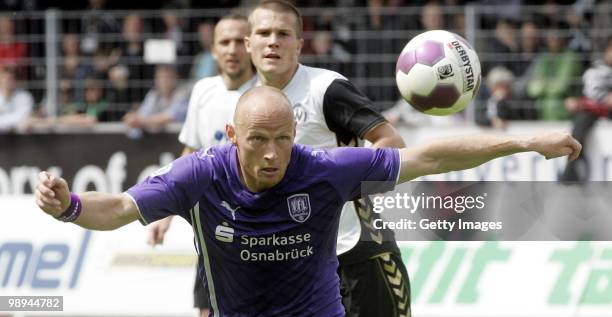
[278, 80]
[235, 83]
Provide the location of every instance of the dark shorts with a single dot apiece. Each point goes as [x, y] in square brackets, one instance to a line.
[200, 293]
[376, 287]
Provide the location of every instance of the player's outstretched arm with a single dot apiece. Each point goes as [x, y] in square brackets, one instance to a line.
[459, 153]
[99, 211]
[157, 230]
[385, 135]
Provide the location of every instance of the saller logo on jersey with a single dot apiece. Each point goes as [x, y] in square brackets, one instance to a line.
[224, 233]
[299, 207]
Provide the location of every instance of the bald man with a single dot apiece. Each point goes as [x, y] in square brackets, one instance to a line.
[265, 211]
[211, 106]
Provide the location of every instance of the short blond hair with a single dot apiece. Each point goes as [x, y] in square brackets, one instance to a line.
[280, 6]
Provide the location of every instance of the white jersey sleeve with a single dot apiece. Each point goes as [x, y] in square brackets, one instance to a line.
[189, 133]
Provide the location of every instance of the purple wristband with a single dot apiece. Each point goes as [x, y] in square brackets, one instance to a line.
[73, 211]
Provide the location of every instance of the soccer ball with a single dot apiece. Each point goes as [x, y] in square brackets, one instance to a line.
[438, 73]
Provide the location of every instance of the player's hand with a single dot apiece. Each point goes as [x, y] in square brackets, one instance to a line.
[157, 231]
[552, 145]
[52, 194]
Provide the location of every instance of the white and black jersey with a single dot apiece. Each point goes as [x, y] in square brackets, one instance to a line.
[211, 106]
[330, 111]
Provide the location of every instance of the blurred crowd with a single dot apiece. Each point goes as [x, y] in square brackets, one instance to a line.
[533, 55]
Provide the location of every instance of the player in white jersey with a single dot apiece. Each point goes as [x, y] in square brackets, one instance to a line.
[331, 112]
[211, 106]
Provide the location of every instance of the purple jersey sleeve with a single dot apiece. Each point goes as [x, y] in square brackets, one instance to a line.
[173, 189]
[353, 165]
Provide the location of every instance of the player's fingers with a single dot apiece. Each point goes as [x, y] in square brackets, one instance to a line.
[577, 147]
[150, 240]
[50, 201]
[44, 190]
[564, 151]
[151, 237]
[574, 155]
[44, 178]
[47, 208]
[160, 237]
[52, 180]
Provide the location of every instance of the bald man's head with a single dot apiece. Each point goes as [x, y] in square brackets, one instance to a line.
[263, 132]
[263, 103]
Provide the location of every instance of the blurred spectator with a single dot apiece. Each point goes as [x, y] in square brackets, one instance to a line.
[458, 23]
[432, 16]
[596, 103]
[204, 64]
[131, 51]
[508, 10]
[15, 104]
[498, 108]
[93, 109]
[119, 94]
[173, 27]
[74, 68]
[103, 60]
[95, 24]
[602, 25]
[164, 104]
[502, 47]
[322, 43]
[174, 31]
[579, 40]
[554, 76]
[16, 5]
[530, 46]
[376, 26]
[12, 52]
[326, 53]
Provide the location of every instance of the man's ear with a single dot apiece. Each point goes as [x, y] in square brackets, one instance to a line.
[247, 44]
[299, 48]
[214, 53]
[231, 133]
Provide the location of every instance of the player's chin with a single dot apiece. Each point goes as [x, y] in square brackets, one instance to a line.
[270, 177]
[270, 68]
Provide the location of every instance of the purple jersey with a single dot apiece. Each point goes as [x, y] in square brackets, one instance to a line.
[270, 253]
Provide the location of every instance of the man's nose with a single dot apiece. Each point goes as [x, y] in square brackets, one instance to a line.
[271, 153]
[273, 39]
[233, 47]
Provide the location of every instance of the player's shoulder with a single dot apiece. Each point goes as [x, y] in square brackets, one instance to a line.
[207, 84]
[214, 153]
[319, 77]
[317, 159]
[317, 81]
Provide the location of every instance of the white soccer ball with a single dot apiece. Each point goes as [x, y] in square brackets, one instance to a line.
[438, 73]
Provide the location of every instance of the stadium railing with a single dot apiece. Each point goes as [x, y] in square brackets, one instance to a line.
[358, 42]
